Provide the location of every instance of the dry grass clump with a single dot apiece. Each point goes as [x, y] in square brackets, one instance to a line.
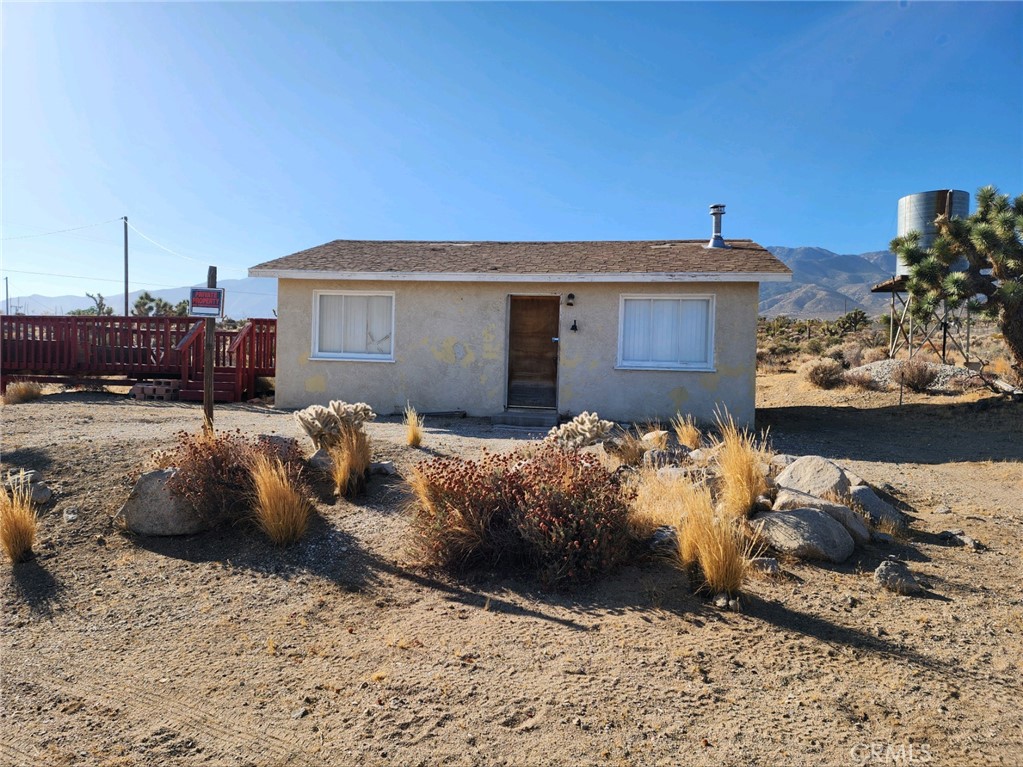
[278, 505]
[656, 503]
[714, 545]
[630, 447]
[686, 430]
[22, 391]
[861, 379]
[413, 423]
[741, 479]
[350, 457]
[823, 373]
[875, 354]
[916, 375]
[17, 521]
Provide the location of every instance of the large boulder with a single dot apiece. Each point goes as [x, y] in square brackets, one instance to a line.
[816, 476]
[152, 510]
[849, 519]
[805, 533]
[877, 509]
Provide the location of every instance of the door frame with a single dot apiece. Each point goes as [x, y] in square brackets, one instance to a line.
[507, 346]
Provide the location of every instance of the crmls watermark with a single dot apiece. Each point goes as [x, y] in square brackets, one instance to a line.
[890, 753]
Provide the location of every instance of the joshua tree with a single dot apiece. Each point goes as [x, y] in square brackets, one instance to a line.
[976, 260]
[99, 310]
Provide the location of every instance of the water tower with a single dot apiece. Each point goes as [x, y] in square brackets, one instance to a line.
[917, 213]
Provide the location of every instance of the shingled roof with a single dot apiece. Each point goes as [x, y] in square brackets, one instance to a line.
[605, 261]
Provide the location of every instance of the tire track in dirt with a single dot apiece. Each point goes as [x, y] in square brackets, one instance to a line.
[187, 716]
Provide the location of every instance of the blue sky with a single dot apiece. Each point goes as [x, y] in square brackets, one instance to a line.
[236, 133]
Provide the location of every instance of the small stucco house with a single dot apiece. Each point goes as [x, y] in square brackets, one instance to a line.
[631, 330]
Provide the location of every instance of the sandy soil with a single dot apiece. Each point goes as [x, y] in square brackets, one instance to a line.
[220, 650]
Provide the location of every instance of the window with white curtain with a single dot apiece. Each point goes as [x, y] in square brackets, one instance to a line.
[353, 325]
[666, 332]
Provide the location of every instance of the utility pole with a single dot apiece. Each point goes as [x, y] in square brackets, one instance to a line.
[209, 346]
[125, 218]
[7, 297]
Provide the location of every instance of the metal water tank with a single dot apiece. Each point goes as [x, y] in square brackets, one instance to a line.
[918, 211]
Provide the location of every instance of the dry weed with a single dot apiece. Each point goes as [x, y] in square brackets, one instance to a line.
[280, 509]
[686, 430]
[741, 478]
[17, 521]
[657, 503]
[631, 448]
[823, 373]
[413, 427]
[349, 461]
[714, 544]
[22, 391]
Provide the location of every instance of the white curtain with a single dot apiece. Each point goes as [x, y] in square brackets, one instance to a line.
[353, 324]
[665, 331]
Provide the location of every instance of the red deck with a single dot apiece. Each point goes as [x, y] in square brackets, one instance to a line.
[135, 348]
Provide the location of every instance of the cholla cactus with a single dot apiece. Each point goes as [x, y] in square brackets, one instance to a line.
[583, 430]
[325, 424]
[351, 414]
[320, 424]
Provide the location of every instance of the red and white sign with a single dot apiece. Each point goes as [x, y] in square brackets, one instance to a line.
[206, 302]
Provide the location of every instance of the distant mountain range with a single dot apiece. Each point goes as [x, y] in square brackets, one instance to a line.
[824, 284]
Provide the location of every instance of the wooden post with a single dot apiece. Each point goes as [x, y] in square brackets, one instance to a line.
[209, 361]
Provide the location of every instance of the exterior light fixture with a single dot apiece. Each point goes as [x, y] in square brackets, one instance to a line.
[575, 326]
[570, 299]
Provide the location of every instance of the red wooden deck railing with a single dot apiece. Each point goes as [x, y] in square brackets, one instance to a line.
[137, 348]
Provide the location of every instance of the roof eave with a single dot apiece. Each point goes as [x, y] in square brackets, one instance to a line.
[309, 274]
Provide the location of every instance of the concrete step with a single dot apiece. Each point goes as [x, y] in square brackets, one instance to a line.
[219, 395]
[527, 417]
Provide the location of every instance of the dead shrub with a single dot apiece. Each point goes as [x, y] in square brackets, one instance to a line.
[279, 505]
[556, 510]
[686, 431]
[916, 375]
[875, 354]
[852, 354]
[741, 478]
[22, 391]
[350, 456]
[861, 379]
[214, 470]
[413, 423]
[17, 520]
[823, 373]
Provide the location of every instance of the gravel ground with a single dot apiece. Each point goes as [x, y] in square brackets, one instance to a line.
[219, 649]
[884, 371]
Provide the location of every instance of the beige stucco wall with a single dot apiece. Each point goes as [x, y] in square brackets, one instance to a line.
[450, 352]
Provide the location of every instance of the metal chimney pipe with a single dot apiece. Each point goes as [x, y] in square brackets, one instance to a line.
[717, 210]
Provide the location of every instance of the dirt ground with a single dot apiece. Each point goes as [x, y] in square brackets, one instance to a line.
[219, 649]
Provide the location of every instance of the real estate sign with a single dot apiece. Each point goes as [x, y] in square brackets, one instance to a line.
[206, 302]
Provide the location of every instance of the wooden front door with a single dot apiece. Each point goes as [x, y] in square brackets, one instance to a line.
[533, 351]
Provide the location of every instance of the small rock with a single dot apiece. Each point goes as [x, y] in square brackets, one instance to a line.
[40, 493]
[855, 480]
[100, 540]
[850, 601]
[70, 514]
[734, 604]
[383, 467]
[658, 438]
[883, 538]
[943, 510]
[766, 565]
[721, 600]
[672, 472]
[151, 509]
[658, 458]
[320, 460]
[781, 460]
[895, 576]
[298, 713]
[971, 543]
[664, 540]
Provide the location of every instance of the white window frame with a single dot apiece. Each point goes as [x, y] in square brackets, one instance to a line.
[316, 354]
[704, 367]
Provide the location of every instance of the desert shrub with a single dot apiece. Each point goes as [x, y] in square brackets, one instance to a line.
[557, 510]
[214, 470]
[656, 502]
[834, 352]
[875, 354]
[915, 374]
[686, 431]
[852, 354]
[22, 391]
[813, 346]
[741, 478]
[413, 427]
[279, 505]
[861, 379]
[17, 520]
[350, 456]
[714, 545]
[324, 425]
[823, 373]
[583, 430]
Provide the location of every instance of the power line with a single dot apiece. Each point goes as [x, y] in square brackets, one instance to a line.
[61, 231]
[174, 252]
[136, 284]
